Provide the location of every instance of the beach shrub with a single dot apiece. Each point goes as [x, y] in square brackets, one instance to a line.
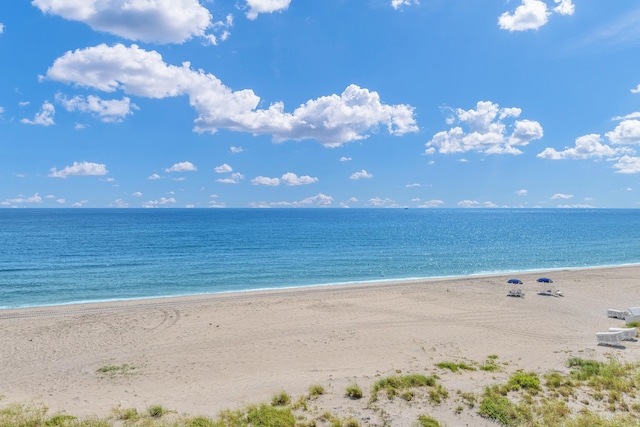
[527, 381]
[113, 370]
[354, 392]
[438, 394]
[395, 384]
[156, 411]
[316, 390]
[351, 422]
[281, 399]
[199, 422]
[269, 416]
[502, 410]
[427, 421]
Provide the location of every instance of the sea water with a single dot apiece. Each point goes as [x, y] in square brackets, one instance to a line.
[63, 256]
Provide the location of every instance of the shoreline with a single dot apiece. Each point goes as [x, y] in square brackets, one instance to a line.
[206, 353]
[377, 282]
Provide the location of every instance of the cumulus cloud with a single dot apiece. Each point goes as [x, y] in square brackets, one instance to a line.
[634, 115]
[137, 194]
[1, 28]
[363, 174]
[223, 168]
[627, 132]
[155, 21]
[158, 203]
[487, 131]
[236, 150]
[561, 196]
[382, 203]
[80, 169]
[345, 159]
[533, 14]
[522, 192]
[113, 110]
[288, 178]
[293, 179]
[468, 203]
[332, 120]
[182, 167]
[154, 176]
[587, 146]
[431, 203]
[627, 165]
[317, 200]
[257, 7]
[24, 199]
[264, 180]
[397, 4]
[636, 89]
[44, 117]
[233, 179]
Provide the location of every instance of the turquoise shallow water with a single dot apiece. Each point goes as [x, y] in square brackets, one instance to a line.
[61, 256]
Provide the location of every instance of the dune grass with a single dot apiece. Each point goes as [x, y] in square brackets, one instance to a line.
[587, 393]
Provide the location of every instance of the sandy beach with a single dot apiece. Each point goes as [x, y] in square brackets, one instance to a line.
[200, 355]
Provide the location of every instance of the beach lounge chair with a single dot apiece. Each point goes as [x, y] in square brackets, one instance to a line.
[615, 314]
[632, 315]
[627, 333]
[610, 338]
[516, 293]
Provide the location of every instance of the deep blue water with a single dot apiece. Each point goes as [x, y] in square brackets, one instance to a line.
[60, 256]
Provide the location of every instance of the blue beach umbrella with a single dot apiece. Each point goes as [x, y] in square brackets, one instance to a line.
[545, 280]
[515, 281]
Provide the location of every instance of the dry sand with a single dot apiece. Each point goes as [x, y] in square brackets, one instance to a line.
[199, 355]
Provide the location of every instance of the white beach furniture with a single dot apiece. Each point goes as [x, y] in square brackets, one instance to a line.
[627, 333]
[610, 338]
[516, 293]
[632, 315]
[615, 314]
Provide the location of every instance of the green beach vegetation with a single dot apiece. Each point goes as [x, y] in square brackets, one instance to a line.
[584, 393]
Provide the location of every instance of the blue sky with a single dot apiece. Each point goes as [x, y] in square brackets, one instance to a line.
[333, 103]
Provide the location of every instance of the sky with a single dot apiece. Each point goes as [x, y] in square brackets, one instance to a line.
[332, 103]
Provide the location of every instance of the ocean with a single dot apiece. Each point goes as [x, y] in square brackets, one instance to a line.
[66, 256]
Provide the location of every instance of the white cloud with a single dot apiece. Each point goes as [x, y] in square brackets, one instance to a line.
[431, 204]
[264, 180]
[318, 200]
[381, 203]
[522, 192]
[628, 165]
[107, 110]
[119, 203]
[155, 21]
[24, 199]
[414, 185]
[332, 120]
[587, 146]
[293, 179]
[79, 204]
[635, 115]
[234, 179]
[61, 201]
[361, 175]
[154, 176]
[265, 6]
[564, 7]
[44, 117]
[157, 203]
[397, 4]
[487, 131]
[80, 169]
[636, 89]
[533, 14]
[236, 150]
[468, 203]
[137, 194]
[561, 196]
[1, 28]
[530, 15]
[627, 132]
[345, 159]
[182, 167]
[288, 178]
[223, 168]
